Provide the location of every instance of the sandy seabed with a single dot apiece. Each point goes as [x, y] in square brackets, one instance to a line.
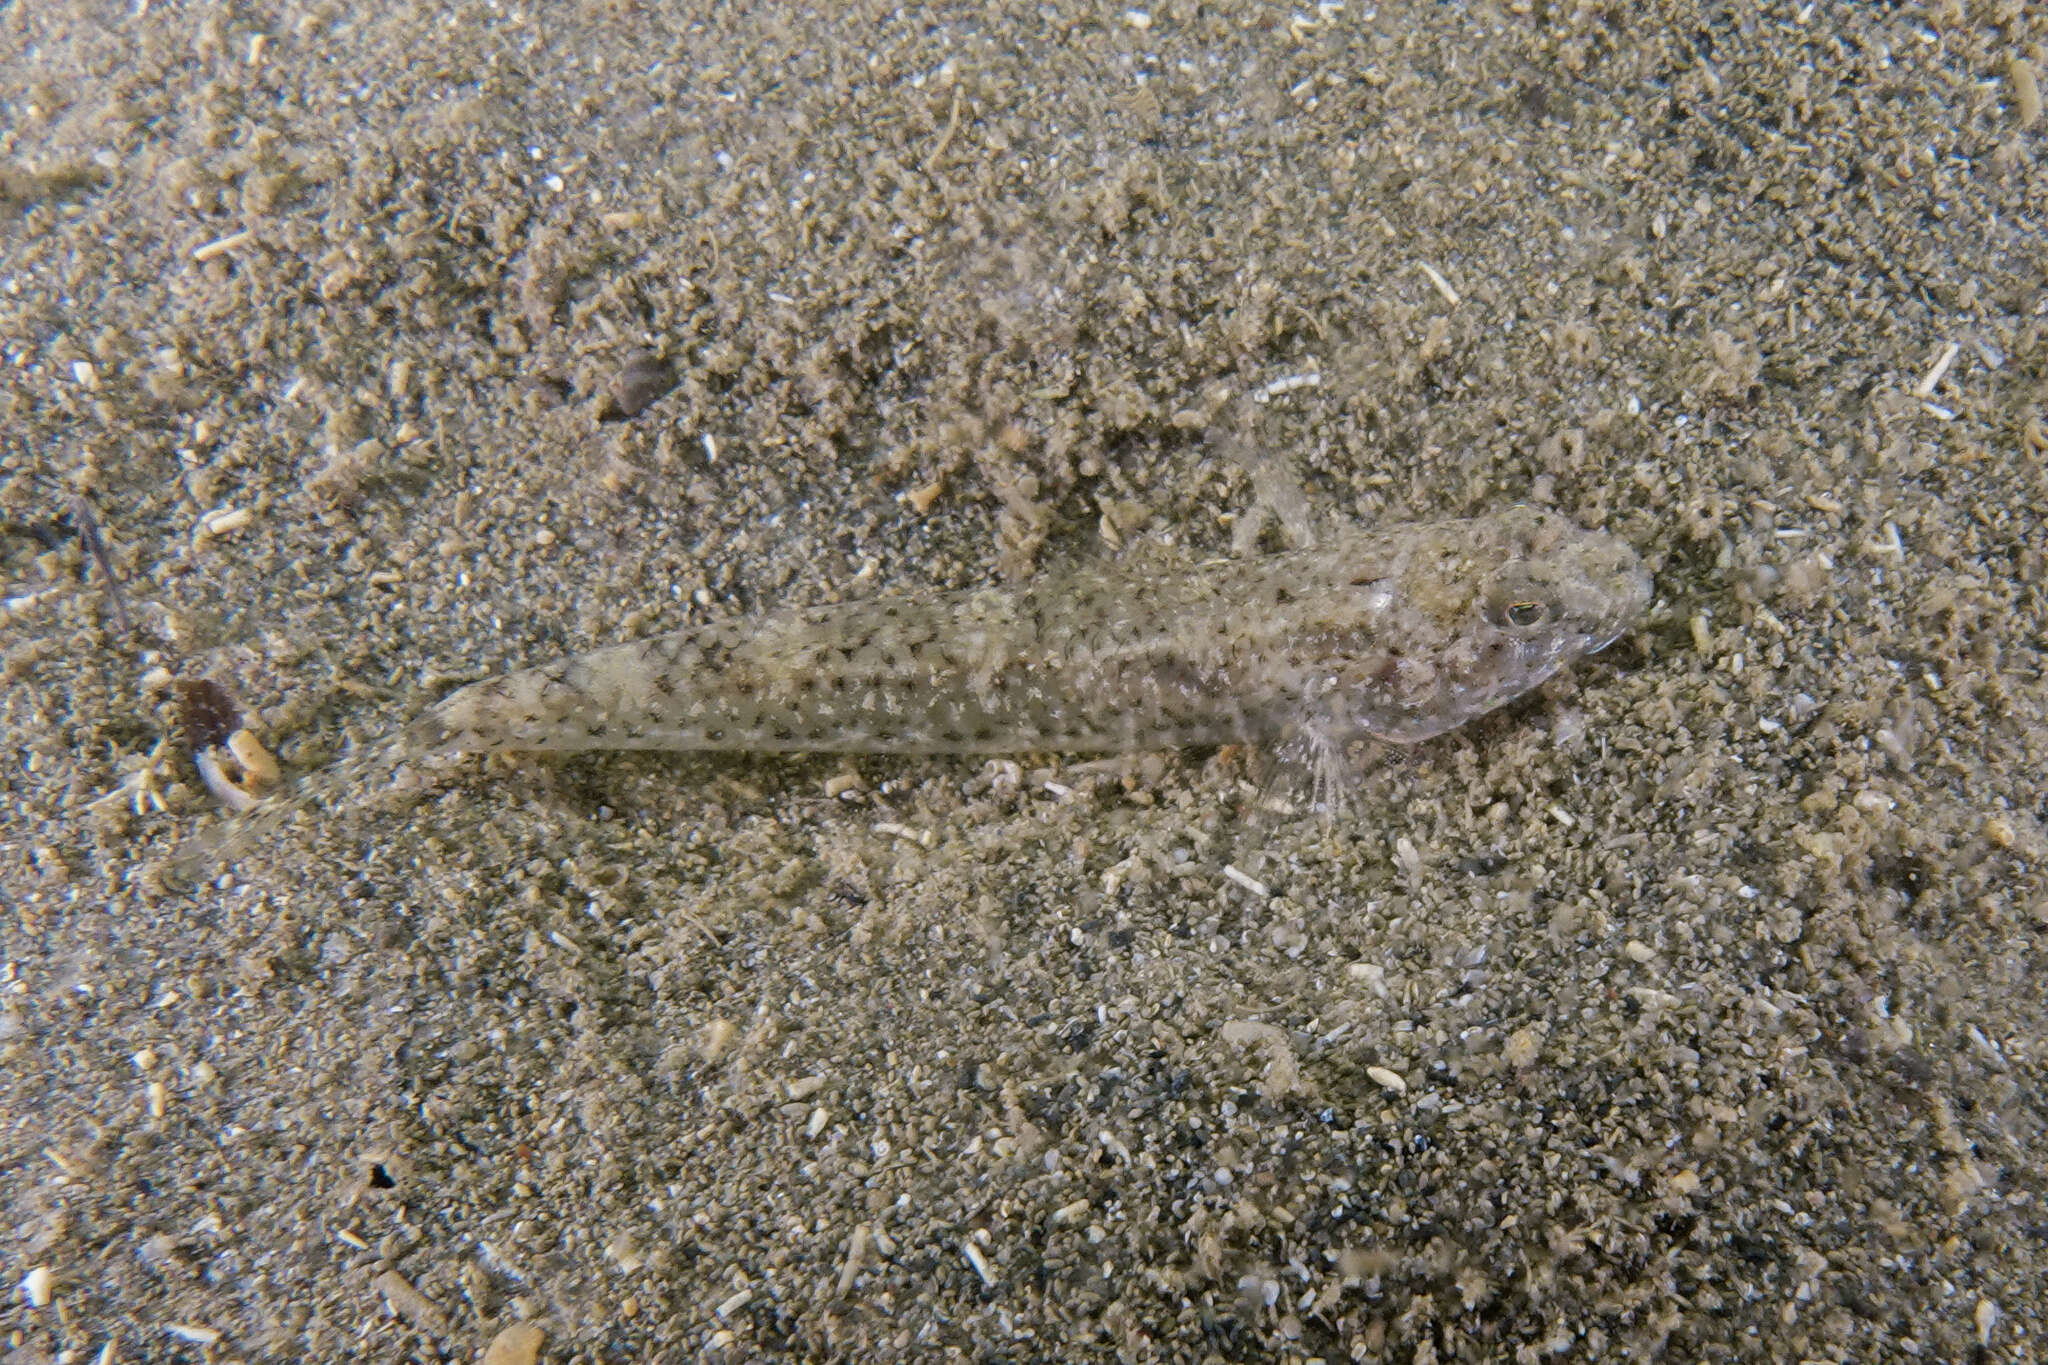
[1689, 1009]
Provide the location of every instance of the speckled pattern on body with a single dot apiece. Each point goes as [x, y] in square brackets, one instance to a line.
[1397, 634]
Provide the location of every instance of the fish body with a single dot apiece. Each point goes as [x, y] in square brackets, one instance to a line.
[1396, 634]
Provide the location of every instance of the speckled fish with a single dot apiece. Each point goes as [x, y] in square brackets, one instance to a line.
[1396, 634]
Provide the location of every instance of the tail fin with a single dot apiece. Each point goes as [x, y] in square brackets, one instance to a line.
[398, 767]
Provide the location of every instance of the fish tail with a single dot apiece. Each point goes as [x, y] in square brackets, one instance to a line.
[398, 767]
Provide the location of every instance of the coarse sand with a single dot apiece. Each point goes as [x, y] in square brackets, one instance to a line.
[1690, 1009]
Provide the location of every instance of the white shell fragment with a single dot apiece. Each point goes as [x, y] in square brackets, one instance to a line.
[239, 772]
[39, 1286]
[1389, 1081]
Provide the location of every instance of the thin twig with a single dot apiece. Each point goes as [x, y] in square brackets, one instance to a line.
[89, 533]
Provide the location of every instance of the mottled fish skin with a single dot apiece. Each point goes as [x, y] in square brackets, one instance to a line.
[1391, 635]
[1396, 634]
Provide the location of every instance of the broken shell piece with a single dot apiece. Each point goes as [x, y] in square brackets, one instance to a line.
[254, 758]
[222, 521]
[235, 766]
[239, 773]
[39, 1286]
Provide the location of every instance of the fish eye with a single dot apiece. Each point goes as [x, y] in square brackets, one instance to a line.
[1515, 607]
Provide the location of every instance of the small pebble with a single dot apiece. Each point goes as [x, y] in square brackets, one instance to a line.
[639, 382]
[1522, 1048]
[518, 1344]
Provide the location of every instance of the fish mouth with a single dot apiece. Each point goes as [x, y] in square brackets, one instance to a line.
[1634, 591]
